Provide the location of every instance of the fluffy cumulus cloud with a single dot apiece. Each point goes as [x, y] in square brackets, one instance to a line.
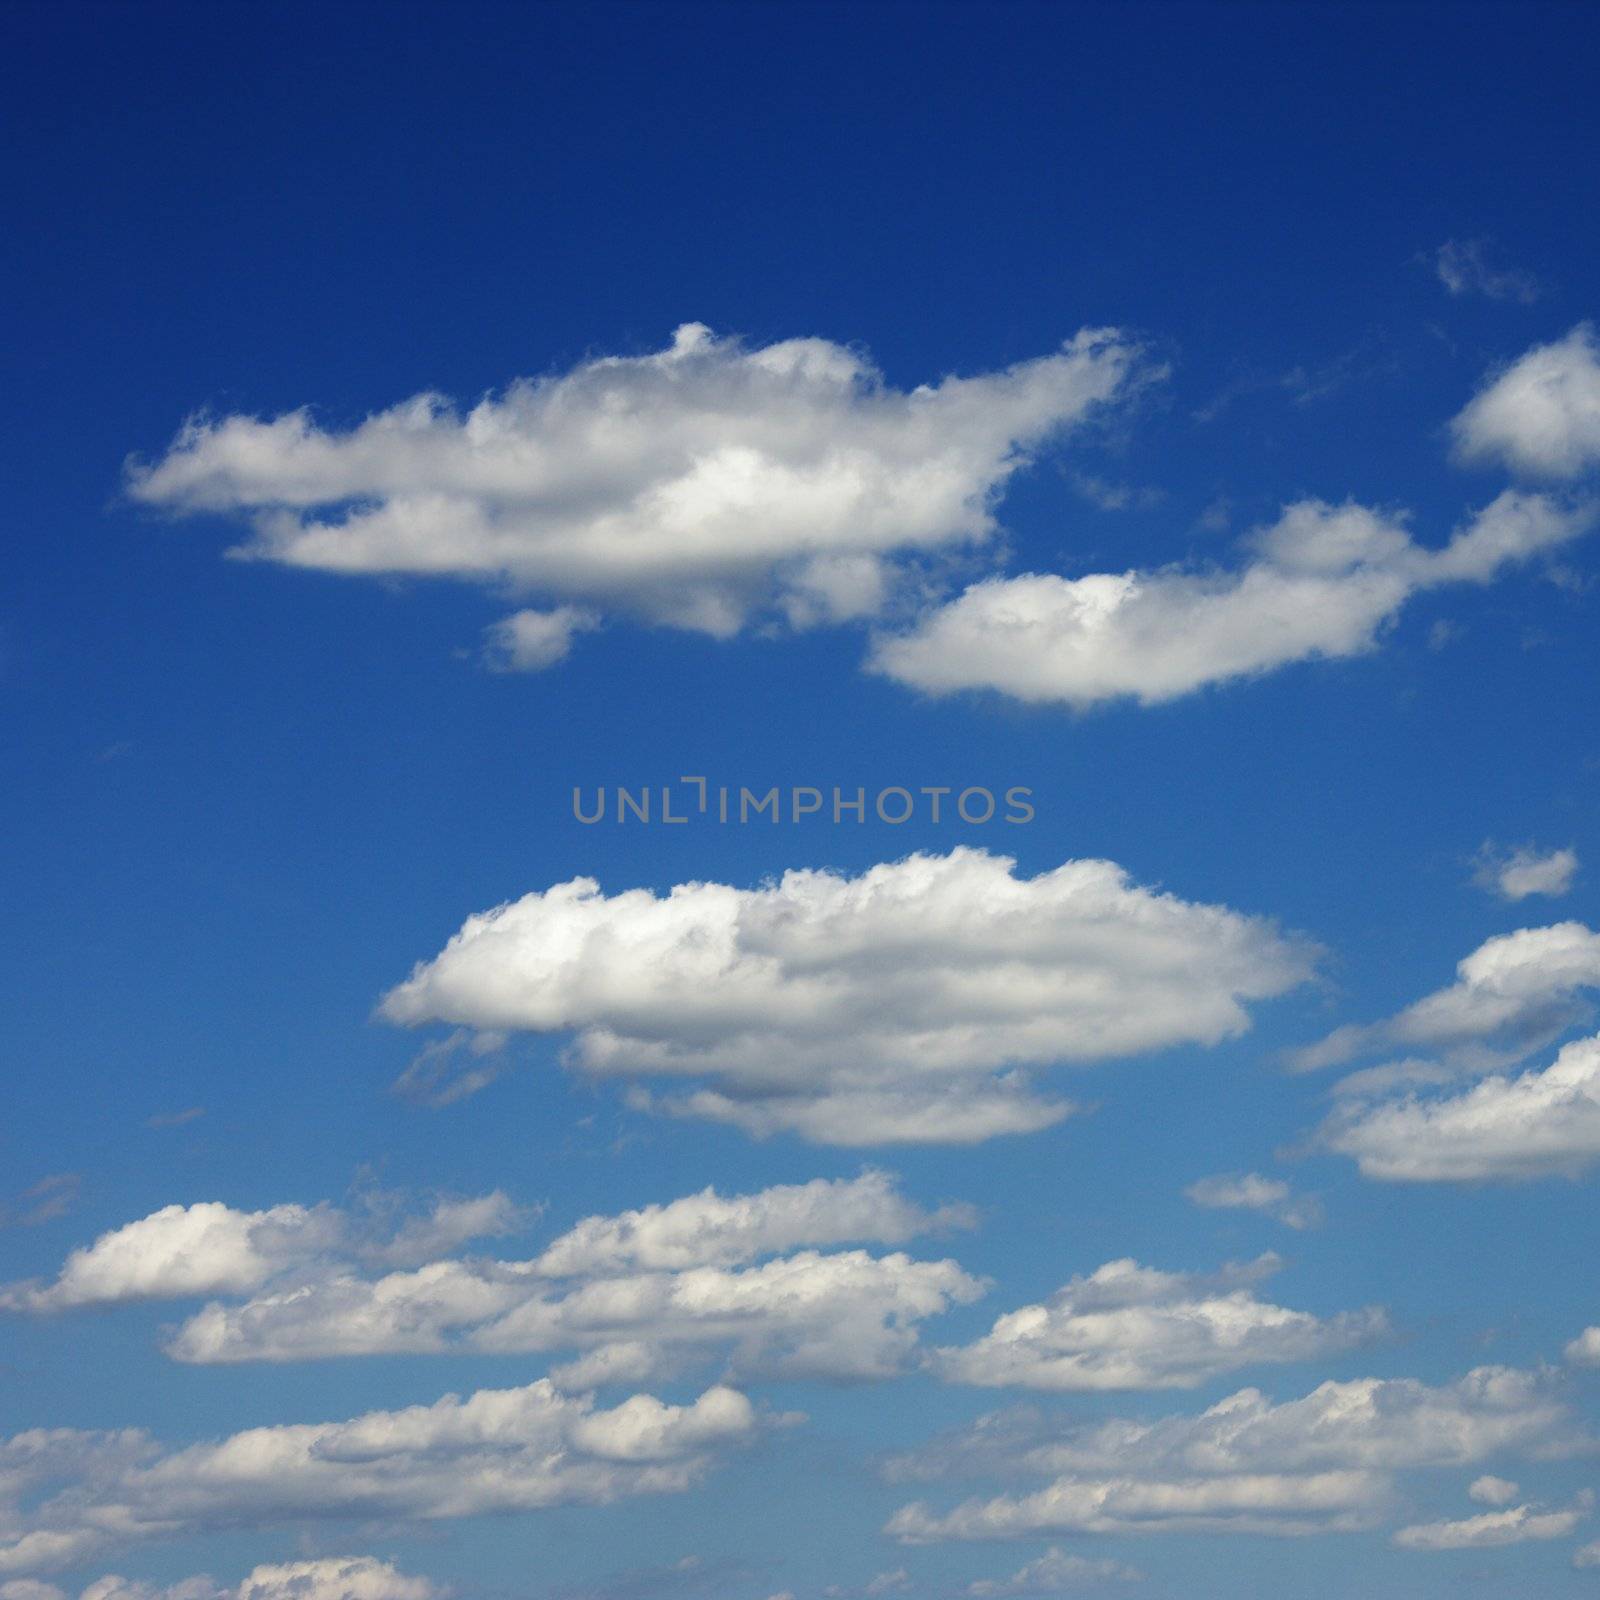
[1541, 415]
[1130, 1327]
[647, 1293]
[1517, 874]
[211, 1248]
[695, 486]
[1249, 1191]
[1513, 994]
[1534, 1124]
[903, 1005]
[326, 1578]
[1322, 581]
[66, 1496]
[1054, 1572]
[1326, 1463]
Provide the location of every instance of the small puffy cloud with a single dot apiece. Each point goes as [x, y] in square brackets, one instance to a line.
[1464, 268]
[696, 486]
[1584, 1351]
[1321, 582]
[1125, 1326]
[1326, 1463]
[903, 1005]
[1492, 1491]
[1535, 1124]
[68, 1495]
[530, 641]
[1516, 874]
[1491, 1529]
[1514, 993]
[1541, 415]
[1056, 1570]
[1249, 1191]
[210, 1248]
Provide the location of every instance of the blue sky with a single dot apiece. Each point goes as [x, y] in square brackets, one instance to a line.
[1190, 414]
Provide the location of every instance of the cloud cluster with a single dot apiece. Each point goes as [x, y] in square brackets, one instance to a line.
[1125, 1326]
[903, 1005]
[1249, 1191]
[1326, 1463]
[1321, 582]
[1541, 415]
[645, 1294]
[326, 1578]
[66, 1495]
[695, 486]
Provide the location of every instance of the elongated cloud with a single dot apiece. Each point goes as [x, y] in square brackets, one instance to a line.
[898, 1006]
[1249, 1191]
[1535, 1124]
[694, 486]
[645, 1294]
[1541, 415]
[1326, 1463]
[1491, 1529]
[324, 1578]
[1125, 1326]
[66, 1496]
[1321, 582]
[1514, 993]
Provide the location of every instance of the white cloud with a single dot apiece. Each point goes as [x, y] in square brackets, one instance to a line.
[326, 1578]
[1054, 1571]
[207, 1248]
[67, 1495]
[530, 641]
[1539, 1123]
[843, 1315]
[1323, 581]
[1125, 1326]
[1490, 1529]
[1584, 1351]
[211, 1248]
[1249, 1191]
[1322, 1464]
[900, 1005]
[1463, 268]
[1541, 415]
[1516, 874]
[1514, 993]
[712, 1230]
[646, 1293]
[1489, 1490]
[694, 486]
